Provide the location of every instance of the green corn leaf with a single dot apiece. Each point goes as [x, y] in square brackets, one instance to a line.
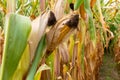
[39, 72]
[117, 18]
[77, 4]
[38, 56]
[70, 1]
[50, 62]
[92, 29]
[23, 66]
[16, 34]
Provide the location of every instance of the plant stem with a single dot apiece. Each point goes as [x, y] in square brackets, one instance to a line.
[11, 6]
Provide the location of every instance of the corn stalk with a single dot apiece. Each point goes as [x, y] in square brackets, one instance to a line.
[66, 40]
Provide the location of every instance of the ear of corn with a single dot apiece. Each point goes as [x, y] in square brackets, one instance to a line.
[17, 29]
[61, 31]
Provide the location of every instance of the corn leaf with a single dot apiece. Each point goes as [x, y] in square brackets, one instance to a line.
[71, 45]
[69, 76]
[70, 1]
[59, 9]
[23, 65]
[17, 31]
[38, 73]
[50, 62]
[77, 4]
[92, 29]
[117, 18]
[38, 56]
[92, 3]
[81, 46]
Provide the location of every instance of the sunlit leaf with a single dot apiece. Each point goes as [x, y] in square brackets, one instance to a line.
[16, 35]
[71, 45]
[59, 9]
[50, 62]
[23, 66]
[70, 1]
[117, 18]
[38, 56]
[39, 71]
[92, 3]
[78, 3]
[91, 25]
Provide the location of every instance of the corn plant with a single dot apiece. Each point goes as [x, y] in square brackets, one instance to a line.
[56, 39]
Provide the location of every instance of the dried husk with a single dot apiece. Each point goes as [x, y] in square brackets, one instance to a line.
[39, 26]
[61, 31]
[93, 57]
[59, 9]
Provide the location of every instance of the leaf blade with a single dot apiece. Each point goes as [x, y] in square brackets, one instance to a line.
[17, 31]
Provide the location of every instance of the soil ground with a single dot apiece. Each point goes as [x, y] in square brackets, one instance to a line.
[109, 69]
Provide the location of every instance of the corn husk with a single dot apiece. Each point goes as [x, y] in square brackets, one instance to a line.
[39, 26]
[59, 9]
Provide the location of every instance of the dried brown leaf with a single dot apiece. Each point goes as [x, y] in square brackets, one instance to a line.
[63, 51]
[59, 9]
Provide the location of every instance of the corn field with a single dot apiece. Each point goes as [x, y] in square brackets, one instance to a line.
[57, 39]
